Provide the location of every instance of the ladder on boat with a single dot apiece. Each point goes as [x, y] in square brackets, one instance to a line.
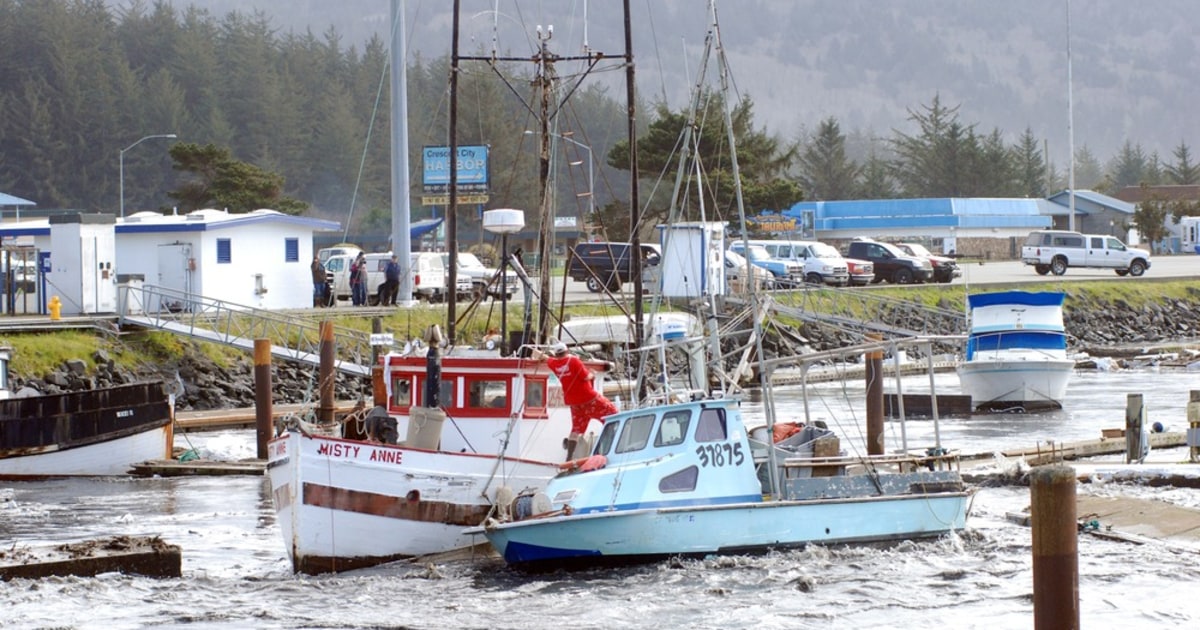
[238, 325]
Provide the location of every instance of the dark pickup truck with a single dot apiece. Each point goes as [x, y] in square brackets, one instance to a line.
[890, 262]
[608, 265]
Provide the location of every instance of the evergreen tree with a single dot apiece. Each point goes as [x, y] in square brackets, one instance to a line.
[1130, 167]
[875, 180]
[1088, 173]
[825, 171]
[1183, 171]
[1030, 166]
[217, 180]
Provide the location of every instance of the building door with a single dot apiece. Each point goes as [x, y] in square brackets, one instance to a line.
[175, 265]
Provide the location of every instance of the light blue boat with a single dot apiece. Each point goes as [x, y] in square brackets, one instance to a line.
[686, 480]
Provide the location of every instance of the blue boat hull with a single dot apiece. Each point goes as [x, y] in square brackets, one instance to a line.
[639, 535]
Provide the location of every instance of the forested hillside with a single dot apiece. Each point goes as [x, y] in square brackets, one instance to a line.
[853, 95]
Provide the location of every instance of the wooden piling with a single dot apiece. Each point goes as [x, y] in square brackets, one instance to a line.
[1193, 432]
[263, 412]
[1055, 548]
[325, 374]
[874, 378]
[1135, 421]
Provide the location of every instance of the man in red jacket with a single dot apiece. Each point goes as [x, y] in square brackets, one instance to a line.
[585, 402]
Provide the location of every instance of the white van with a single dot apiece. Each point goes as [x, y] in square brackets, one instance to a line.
[822, 263]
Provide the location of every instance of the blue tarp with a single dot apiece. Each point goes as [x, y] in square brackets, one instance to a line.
[417, 229]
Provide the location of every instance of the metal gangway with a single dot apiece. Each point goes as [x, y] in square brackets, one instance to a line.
[865, 312]
[238, 325]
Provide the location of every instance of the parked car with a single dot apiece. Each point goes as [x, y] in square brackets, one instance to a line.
[609, 266]
[822, 263]
[785, 273]
[1055, 250]
[738, 271]
[862, 272]
[945, 269]
[483, 278]
[890, 262]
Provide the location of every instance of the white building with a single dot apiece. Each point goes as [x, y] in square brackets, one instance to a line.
[261, 258]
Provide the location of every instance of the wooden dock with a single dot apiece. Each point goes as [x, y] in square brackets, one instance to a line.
[244, 417]
[124, 554]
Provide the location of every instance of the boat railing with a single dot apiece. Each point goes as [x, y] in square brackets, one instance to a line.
[905, 462]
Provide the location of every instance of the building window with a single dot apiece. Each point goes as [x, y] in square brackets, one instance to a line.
[291, 250]
[224, 251]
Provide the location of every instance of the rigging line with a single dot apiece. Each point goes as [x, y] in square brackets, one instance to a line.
[657, 54]
[362, 162]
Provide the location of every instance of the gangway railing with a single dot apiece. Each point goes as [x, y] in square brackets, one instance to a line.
[292, 338]
[863, 311]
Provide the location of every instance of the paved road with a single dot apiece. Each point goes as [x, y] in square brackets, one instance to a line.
[1000, 272]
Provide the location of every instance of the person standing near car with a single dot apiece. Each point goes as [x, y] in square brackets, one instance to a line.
[358, 280]
[391, 282]
[318, 278]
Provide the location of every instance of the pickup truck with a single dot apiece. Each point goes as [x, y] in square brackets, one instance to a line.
[1054, 251]
[890, 262]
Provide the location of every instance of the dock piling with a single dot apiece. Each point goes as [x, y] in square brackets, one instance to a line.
[263, 413]
[1055, 548]
[1193, 432]
[1137, 443]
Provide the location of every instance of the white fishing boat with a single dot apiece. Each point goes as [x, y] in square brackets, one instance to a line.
[689, 480]
[1016, 354]
[497, 425]
[103, 431]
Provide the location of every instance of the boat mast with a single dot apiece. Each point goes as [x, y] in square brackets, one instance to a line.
[1070, 128]
[452, 205]
[635, 219]
[764, 374]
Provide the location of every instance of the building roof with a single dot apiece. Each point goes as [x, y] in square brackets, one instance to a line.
[9, 200]
[197, 221]
[943, 213]
[1090, 201]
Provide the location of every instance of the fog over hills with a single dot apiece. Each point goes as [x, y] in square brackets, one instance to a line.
[865, 62]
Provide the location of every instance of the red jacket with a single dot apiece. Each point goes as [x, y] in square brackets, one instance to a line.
[575, 377]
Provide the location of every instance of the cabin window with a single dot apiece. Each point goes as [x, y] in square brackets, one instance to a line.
[607, 436]
[224, 251]
[711, 427]
[682, 481]
[535, 394]
[636, 433]
[673, 428]
[447, 396]
[401, 391]
[291, 250]
[489, 394]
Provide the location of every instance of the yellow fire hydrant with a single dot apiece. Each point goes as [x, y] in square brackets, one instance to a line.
[55, 307]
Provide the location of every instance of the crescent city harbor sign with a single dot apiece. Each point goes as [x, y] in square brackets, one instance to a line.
[471, 166]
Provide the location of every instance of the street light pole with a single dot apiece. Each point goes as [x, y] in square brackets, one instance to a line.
[591, 193]
[122, 163]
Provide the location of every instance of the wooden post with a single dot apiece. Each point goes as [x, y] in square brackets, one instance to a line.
[874, 375]
[1135, 420]
[1055, 548]
[376, 328]
[325, 374]
[263, 413]
[1193, 433]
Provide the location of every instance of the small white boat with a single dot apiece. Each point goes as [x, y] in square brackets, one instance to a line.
[1016, 354]
[101, 431]
[687, 480]
[345, 502]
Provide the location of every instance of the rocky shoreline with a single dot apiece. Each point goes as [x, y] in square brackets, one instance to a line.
[1099, 328]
